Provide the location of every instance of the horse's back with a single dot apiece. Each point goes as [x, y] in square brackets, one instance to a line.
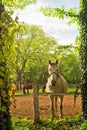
[29, 85]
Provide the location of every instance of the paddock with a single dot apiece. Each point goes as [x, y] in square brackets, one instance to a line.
[24, 106]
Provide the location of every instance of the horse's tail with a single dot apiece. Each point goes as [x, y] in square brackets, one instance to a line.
[24, 90]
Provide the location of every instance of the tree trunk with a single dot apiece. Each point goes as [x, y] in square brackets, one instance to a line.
[5, 119]
[19, 74]
[83, 18]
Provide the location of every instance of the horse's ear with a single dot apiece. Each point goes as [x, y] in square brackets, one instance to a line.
[56, 61]
[49, 62]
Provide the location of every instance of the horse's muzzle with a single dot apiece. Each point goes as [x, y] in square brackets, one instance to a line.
[53, 82]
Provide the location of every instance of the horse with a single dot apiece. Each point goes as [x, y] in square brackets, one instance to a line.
[57, 84]
[27, 86]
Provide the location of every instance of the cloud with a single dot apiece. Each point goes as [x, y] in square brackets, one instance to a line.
[54, 27]
[58, 3]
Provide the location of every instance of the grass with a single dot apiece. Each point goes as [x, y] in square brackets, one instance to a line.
[19, 92]
[61, 124]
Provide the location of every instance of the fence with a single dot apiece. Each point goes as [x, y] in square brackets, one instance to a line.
[36, 105]
[36, 102]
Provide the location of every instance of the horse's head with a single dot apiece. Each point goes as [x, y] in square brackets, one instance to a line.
[53, 71]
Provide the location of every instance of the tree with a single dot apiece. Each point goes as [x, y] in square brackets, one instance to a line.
[71, 70]
[5, 119]
[31, 43]
[83, 19]
[7, 26]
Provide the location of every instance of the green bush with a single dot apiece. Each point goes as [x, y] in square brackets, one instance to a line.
[57, 124]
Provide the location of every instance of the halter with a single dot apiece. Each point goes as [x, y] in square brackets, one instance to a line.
[55, 73]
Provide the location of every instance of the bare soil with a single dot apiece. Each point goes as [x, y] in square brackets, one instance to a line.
[24, 107]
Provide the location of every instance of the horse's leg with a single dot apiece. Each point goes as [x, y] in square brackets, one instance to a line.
[52, 106]
[56, 103]
[61, 106]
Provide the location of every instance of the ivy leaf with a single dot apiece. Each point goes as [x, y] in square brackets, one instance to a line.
[3, 108]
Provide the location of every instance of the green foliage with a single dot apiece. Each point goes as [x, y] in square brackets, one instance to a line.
[3, 109]
[72, 87]
[31, 48]
[83, 125]
[72, 14]
[7, 36]
[76, 123]
[67, 55]
[61, 13]
[20, 124]
[36, 67]
[17, 3]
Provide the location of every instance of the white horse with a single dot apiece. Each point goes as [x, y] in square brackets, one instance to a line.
[57, 84]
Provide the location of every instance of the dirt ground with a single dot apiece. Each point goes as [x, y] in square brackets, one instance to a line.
[24, 107]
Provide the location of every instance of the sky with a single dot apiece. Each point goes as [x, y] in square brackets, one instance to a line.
[54, 27]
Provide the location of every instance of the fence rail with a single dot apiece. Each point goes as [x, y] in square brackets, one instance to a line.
[36, 95]
[36, 102]
[46, 93]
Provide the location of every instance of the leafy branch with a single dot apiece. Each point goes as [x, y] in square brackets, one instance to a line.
[61, 13]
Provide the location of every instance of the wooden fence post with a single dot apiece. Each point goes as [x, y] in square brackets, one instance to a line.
[36, 104]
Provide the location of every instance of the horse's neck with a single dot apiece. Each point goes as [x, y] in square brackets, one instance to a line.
[60, 76]
[63, 81]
